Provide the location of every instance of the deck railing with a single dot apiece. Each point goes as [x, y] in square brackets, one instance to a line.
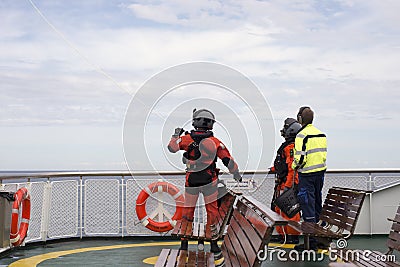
[102, 203]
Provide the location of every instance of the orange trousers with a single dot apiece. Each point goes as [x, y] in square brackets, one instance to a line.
[286, 229]
[210, 193]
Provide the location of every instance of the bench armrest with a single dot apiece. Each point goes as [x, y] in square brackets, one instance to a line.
[272, 216]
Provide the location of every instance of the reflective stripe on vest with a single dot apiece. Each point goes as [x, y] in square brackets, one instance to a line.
[313, 167]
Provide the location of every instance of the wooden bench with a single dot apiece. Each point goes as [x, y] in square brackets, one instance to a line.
[249, 230]
[202, 231]
[182, 258]
[338, 219]
[376, 258]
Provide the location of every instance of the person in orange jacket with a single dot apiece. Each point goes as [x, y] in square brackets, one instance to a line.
[284, 178]
[202, 150]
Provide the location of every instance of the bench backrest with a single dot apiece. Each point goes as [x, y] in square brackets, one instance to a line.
[342, 208]
[393, 241]
[225, 209]
[247, 234]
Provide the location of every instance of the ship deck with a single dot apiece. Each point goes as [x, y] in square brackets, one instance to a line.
[142, 252]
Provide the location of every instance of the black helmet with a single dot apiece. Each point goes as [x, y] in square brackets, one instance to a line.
[203, 118]
[290, 128]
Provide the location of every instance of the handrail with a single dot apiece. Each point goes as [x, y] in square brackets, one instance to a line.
[60, 174]
[85, 189]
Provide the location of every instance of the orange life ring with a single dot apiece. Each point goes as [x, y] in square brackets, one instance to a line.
[141, 206]
[18, 234]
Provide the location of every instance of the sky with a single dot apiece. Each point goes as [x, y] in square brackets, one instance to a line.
[70, 72]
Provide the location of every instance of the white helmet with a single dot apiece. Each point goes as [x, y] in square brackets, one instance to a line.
[203, 118]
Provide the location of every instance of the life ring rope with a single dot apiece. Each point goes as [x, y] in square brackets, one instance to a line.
[148, 220]
[19, 228]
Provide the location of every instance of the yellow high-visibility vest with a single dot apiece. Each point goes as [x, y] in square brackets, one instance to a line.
[310, 148]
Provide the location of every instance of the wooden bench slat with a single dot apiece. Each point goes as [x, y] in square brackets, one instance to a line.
[392, 264]
[338, 220]
[182, 257]
[393, 244]
[177, 228]
[370, 261]
[339, 212]
[345, 200]
[252, 218]
[239, 242]
[162, 258]
[395, 236]
[192, 257]
[395, 226]
[201, 258]
[350, 192]
[228, 252]
[210, 259]
[395, 233]
[228, 261]
[249, 253]
[251, 233]
[376, 254]
[173, 256]
[397, 218]
[225, 254]
[344, 206]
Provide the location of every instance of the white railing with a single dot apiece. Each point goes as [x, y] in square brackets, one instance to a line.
[81, 204]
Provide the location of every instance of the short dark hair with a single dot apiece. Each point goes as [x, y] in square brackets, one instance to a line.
[308, 116]
[305, 115]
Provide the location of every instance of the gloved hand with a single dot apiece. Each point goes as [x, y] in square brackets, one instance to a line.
[237, 176]
[178, 132]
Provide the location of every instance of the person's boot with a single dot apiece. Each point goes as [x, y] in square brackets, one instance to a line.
[276, 239]
[323, 243]
[184, 245]
[292, 239]
[218, 258]
[313, 245]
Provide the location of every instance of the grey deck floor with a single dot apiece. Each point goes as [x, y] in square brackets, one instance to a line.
[136, 252]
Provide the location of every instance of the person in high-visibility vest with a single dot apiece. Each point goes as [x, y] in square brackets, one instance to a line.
[310, 149]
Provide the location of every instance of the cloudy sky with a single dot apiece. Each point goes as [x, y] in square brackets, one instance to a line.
[69, 70]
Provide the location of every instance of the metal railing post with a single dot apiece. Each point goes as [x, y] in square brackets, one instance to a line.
[123, 201]
[81, 206]
[46, 210]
